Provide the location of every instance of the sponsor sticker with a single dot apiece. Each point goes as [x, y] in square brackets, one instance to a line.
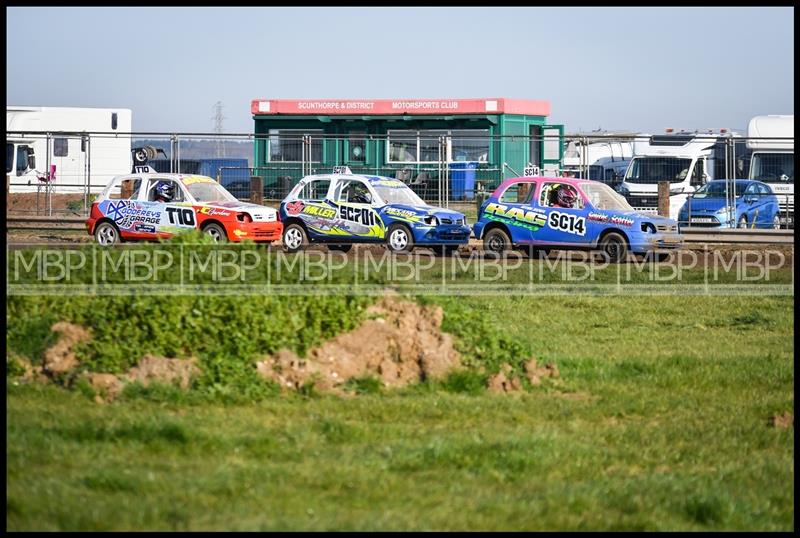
[573, 224]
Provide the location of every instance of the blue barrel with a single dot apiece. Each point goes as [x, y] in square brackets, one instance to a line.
[462, 180]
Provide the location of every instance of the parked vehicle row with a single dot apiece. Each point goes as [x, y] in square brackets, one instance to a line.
[732, 204]
[341, 209]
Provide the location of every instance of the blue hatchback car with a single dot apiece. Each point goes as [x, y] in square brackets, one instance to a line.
[342, 209]
[564, 213]
[745, 204]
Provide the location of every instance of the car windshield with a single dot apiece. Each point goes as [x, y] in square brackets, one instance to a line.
[397, 193]
[717, 189]
[209, 191]
[773, 167]
[655, 169]
[602, 196]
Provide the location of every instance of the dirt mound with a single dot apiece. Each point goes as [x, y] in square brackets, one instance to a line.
[506, 381]
[785, 420]
[106, 386]
[152, 368]
[60, 359]
[401, 343]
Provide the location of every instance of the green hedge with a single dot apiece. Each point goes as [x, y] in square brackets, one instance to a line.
[227, 334]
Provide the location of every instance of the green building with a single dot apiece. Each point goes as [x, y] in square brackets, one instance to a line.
[434, 144]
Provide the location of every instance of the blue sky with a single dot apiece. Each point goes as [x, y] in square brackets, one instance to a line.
[640, 69]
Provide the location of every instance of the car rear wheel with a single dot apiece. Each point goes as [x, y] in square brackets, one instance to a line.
[613, 247]
[776, 222]
[215, 232]
[496, 241]
[106, 234]
[400, 239]
[294, 238]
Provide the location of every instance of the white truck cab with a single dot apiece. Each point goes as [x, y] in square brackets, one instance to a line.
[771, 139]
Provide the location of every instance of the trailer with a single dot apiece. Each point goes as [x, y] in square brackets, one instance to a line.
[58, 148]
[604, 161]
[771, 140]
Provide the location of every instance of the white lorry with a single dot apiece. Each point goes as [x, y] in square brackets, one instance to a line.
[601, 160]
[687, 160]
[771, 139]
[70, 159]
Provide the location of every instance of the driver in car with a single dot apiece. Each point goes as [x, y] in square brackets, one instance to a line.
[165, 191]
[360, 194]
[565, 196]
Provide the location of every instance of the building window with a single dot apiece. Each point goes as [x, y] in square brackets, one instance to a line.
[60, 147]
[470, 145]
[286, 145]
[357, 148]
[403, 147]
[424, 146]
[429, 143]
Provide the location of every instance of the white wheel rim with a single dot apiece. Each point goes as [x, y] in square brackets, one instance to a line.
[106, 235]
[214, 233]
[293, 238]
[776, 222]
[742, 223]
[398, 239]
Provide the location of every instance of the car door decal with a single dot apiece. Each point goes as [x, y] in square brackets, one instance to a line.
[359, 220]
[529, 218]
[565, 222]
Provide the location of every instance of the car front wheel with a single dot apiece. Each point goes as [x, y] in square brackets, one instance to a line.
[742, 222]
[400, 239]
[614, 248]
[215, 232]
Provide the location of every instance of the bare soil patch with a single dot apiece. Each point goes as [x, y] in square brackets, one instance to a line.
[786, 420]
[23, 204]
[60, 359]
[402, 343]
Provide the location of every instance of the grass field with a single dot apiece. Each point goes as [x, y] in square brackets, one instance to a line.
[661, 424]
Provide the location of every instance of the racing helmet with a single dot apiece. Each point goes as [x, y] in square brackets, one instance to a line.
[165, 190]
[566, 196]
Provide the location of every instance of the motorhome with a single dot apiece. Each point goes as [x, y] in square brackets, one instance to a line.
[687, 160]
[771, 139]
[69, 159]
[605, 160]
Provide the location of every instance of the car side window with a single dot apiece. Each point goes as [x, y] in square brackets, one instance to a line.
[126, 189]
[353, 191]
[751, 189]
[764, 190]
[314, 190]
[560, 195]
[153, 190]
[517, 193]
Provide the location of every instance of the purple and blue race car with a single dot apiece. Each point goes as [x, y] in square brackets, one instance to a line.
[543, 213]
